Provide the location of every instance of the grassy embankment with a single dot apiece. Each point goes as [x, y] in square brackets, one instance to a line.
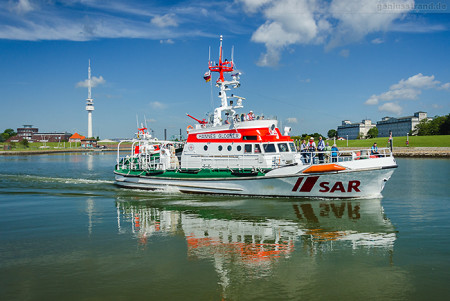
[414, 141]
[37, 146]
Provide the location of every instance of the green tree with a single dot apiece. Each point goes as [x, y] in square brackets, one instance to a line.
[24, 143]
[332, 133]
[8, 133]
[445, 126]
[431, 127]
[372, 133]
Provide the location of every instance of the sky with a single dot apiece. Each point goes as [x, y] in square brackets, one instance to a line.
[310, 63]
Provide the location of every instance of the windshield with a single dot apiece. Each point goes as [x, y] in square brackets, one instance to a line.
[283, 147]
[292, 146]
[269, 148]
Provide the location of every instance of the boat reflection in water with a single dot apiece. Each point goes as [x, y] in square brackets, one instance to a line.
[247, 238]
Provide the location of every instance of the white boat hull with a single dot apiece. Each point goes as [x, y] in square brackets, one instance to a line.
[367, 183]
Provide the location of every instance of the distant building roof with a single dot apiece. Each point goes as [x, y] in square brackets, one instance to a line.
[77, 136]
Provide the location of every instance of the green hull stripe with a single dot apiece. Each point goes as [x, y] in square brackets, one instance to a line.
[193, 174]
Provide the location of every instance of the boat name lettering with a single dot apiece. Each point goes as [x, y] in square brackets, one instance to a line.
[219, 136]
[351, 186]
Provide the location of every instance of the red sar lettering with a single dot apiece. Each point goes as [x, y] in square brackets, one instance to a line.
[338, 186]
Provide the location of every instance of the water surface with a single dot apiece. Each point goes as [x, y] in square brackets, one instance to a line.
[66, 232]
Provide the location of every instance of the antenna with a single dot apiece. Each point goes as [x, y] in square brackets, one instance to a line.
[89, 80]
[220, 50]
[232, 54]
[137, 121]
[209, 55]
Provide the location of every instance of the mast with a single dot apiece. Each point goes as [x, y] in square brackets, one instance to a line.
[222, 67]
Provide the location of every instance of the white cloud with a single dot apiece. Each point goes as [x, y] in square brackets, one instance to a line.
[157, 105]
[291, 120]
[391, 107]
[445, 86]
[418, 81]
[83, 20]
[335, 23]
[95, 81]
[22, 7]
[167, 20]
[344, 53]
[377, 41]
[252, 6]
[356, 19]
[168, 41]
[408, 89]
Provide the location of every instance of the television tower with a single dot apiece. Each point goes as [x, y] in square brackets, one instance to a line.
[89, 103]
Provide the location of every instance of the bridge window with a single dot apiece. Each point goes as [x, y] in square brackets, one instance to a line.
[250, 138]
[257, 149]
[283, 147]
[247, 148]
[292, 147]
[269, 148]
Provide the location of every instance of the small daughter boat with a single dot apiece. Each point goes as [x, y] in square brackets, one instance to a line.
[244, 154]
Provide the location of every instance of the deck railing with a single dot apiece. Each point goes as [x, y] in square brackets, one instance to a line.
[250, 161]
[342, 156]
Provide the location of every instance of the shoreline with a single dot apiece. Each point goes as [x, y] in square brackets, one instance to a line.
[400, 152]
[415, 152]
[55, 151]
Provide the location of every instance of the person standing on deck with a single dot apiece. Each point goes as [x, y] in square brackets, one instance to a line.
[327, 152]
[321, 148]
[311, 150]
[303, 150]
[334, 153]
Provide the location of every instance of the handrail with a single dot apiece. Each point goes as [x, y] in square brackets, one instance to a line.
[145, 161]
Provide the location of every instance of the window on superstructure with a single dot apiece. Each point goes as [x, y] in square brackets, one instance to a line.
[247, 148]
[239, 148]
[257, 149]
[250, 138]
[220, 148]
[292, 147]
[229, 148]
[205, 147]
[283, 147]
[269, 148]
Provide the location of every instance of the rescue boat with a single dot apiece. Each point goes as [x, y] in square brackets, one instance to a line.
[244, 154]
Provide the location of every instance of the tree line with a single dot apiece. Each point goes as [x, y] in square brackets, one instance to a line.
[439, 125]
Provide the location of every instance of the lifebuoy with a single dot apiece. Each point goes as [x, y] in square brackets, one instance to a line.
[189, 127]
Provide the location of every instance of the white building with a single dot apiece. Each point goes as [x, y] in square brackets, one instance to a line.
[352, 130]
[399, 126]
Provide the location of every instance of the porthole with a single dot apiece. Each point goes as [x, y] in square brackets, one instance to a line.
[229, 148]
[220, 147]
[205, 147]
[239, 148]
